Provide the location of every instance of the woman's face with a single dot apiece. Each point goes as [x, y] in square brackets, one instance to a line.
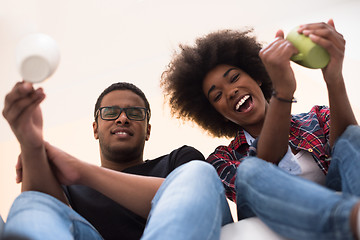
[236, 96]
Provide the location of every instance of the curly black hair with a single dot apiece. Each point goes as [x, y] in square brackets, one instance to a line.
[182, 80]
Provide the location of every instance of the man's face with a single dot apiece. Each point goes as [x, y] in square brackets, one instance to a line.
[122, 135]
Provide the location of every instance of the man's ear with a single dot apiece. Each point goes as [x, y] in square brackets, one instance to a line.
[95, 128]
[148, 130]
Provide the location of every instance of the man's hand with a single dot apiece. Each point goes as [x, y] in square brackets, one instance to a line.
[22, 111]
[66, 168]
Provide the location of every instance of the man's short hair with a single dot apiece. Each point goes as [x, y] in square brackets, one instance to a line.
[123, 86]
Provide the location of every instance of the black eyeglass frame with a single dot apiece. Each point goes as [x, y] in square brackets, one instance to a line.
[147, 113]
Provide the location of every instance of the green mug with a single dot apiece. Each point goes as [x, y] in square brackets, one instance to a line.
[310, 54]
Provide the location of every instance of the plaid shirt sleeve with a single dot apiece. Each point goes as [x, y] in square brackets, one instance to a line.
[314, 127]
[225, 161]
[323, 116]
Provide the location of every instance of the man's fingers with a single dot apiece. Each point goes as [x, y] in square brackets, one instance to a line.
[279, 34]
[19, 91]
[331, 23]
[18, 104]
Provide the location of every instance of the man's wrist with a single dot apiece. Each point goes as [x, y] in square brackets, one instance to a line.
[31, 149]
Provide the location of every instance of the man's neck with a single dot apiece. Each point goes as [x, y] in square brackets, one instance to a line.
[120, 166]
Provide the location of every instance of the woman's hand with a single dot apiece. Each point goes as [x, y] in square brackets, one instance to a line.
[276, 58]
[326, 36]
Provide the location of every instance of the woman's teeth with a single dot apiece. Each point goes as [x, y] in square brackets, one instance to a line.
[241, 102]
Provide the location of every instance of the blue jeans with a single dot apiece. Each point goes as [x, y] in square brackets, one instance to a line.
[300, 209]
[36, 215]
[190, 204]
[343, 174]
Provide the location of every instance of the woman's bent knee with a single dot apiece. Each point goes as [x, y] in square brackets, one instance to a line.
[250, 166]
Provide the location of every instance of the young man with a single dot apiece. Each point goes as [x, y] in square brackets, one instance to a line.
[122, 126]
[122, 137]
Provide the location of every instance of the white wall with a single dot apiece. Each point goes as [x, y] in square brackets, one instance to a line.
[103, 42]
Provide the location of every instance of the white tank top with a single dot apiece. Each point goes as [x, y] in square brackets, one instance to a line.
[301, 164]
[309, 168]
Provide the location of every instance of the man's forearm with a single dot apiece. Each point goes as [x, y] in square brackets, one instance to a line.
[37, 174]
[133, 192]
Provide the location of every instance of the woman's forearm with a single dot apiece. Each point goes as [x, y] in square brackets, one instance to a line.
[274, 137]
[341, 113]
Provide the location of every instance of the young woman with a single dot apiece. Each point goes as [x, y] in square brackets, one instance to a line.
[231, 86]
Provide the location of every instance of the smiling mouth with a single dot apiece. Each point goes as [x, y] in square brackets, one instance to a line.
[244, 104]
[121, 133]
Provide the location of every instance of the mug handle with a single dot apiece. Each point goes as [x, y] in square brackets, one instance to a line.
[297, 57]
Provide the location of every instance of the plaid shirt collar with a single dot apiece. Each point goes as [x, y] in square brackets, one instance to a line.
[239, 140]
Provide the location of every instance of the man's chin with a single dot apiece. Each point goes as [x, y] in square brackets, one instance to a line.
[124, 153]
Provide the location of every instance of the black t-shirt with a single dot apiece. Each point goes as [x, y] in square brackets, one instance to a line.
[111, 219]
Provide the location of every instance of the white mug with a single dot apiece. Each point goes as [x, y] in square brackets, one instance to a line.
[37, 57]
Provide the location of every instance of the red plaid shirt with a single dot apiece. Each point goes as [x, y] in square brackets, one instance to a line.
[308, 131]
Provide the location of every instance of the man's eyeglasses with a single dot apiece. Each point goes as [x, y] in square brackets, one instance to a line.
[132, 113]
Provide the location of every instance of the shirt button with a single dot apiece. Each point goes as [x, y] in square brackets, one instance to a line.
[310, 150]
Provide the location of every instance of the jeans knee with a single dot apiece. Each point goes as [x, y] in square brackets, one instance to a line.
[348, 142]
[200, 170]
[248, 171]
[352, 129]
[351, 132]
[35, 201]
[249, 167]
[195, 178]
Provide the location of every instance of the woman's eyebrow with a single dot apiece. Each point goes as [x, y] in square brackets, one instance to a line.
[229, 70]
[210, 90]
[224, 75]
